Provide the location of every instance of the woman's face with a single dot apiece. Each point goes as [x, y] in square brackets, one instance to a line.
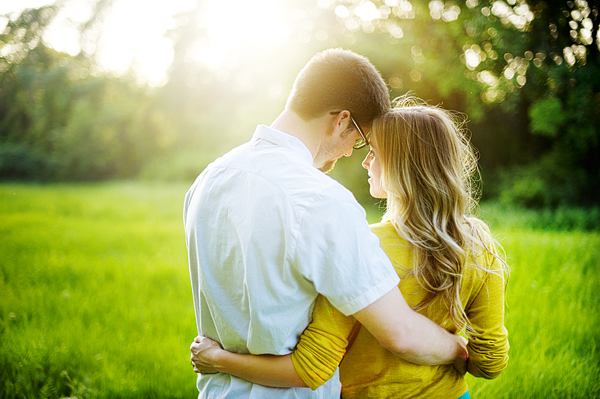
[372, 164]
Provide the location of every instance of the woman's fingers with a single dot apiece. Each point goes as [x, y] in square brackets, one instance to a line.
[201, 349]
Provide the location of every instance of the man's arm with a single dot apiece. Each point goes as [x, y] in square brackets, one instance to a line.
[410, 335]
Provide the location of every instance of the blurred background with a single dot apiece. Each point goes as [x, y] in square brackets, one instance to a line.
[155, 90]
[109, 109]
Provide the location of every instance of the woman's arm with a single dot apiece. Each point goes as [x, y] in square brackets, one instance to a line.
[274, 371]
[488, 348]
[313, 362]
[323, 344]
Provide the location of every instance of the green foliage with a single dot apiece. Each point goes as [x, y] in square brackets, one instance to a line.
[20, 161]
[96, 300]
[557, 179]
[60, 120]
[526, 74]
[500, 215]
[550, 183]
[547, 116]
[56, 125]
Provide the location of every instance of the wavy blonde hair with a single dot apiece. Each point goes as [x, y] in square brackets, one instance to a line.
[427, 170]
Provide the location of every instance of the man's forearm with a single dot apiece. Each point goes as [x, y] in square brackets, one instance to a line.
[424, 342]
[409, 335]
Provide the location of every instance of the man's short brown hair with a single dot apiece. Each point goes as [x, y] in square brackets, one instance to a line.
[335, 80]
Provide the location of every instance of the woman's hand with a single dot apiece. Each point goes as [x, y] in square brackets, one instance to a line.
[204, 351]
[462, 360]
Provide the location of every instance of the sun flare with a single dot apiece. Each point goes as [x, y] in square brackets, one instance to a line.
[229, 33]
[239, 29]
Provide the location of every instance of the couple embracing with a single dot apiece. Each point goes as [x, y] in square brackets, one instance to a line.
[296, 296]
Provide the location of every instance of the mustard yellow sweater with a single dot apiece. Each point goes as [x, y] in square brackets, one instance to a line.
[370, 371]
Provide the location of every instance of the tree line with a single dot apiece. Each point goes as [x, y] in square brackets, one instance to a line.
[527, 74]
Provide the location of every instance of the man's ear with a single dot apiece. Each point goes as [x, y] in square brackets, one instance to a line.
[340, 123]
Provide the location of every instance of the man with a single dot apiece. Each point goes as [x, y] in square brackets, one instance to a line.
[267, 231]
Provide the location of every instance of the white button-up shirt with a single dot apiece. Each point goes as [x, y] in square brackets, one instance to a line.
[266, 233]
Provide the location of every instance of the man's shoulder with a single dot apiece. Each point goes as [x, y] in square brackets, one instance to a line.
[281, 168]
[273, 179]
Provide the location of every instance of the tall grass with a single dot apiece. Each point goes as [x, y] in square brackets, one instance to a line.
[552, 317]
[95, 299]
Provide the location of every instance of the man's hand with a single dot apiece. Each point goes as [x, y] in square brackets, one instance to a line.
[204, 350]
[462, 357]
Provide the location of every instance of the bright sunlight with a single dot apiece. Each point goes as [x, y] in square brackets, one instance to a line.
[133, 34]
[238, 28]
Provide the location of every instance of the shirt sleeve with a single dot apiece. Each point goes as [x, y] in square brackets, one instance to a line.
[322, 345]
[488, 347]
[337, 252]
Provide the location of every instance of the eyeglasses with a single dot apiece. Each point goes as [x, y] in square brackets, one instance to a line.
[363, 141]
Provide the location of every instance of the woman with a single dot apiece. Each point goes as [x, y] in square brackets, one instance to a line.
[450, 271]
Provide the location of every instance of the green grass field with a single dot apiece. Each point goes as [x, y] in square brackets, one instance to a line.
[95, 299]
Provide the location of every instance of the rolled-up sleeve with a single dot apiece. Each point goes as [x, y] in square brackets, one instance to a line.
[322, 345]
[488, 347]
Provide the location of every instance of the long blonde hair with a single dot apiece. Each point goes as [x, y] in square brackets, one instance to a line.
[427, 171]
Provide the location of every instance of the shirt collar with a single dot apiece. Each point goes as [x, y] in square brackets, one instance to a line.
[283, 139]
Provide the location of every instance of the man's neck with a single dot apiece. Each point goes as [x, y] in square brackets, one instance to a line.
[306, 131]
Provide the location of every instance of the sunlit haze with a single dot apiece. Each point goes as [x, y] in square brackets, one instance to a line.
[255, 26]
[133, 32]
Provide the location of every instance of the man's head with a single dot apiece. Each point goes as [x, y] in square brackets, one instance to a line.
[333, 81]
[338, 79]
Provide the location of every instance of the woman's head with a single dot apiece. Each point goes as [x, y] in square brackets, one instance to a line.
[426, 162]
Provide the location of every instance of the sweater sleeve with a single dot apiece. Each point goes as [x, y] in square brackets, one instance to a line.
[488, 347]
[322, 345]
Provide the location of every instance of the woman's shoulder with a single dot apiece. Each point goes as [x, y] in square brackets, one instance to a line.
[384, 227]
[394, 245]
[387, 233]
